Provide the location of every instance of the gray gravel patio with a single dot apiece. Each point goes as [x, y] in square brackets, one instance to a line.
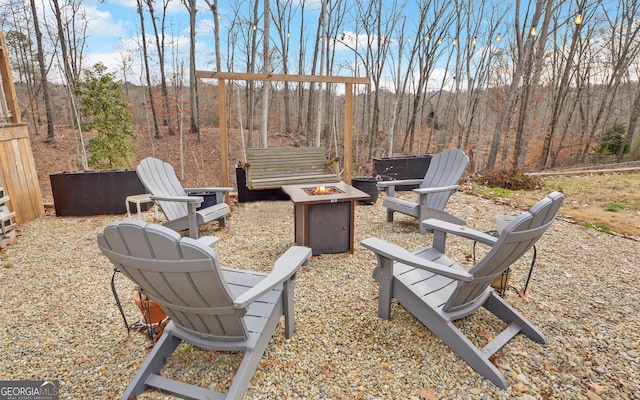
[59, 319]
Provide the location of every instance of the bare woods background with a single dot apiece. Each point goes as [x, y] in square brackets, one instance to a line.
[547, 84]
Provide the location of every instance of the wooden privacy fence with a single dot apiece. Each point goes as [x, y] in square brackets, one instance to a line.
[17, 168]
[18, 173]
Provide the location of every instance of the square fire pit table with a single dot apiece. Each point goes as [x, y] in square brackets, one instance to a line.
[324, 215]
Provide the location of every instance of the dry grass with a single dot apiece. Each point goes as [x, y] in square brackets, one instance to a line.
[609, 202]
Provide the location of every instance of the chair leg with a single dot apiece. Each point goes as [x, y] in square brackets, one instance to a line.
[466, 350]
[384, 275]
[389, 215]
[455, 339]
[497, 306]
[288, 309]
[251, 360]
[153, 364]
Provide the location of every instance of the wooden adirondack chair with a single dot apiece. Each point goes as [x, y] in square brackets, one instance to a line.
[179, 205]
[211, 307]
[439, 183]
[438, 291]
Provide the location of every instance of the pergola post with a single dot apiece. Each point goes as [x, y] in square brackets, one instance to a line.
[224, 144]
[348, 132]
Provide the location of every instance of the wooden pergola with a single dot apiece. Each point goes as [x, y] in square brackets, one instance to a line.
[222, 77]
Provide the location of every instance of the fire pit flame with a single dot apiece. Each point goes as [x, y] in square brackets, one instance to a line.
[322, 190]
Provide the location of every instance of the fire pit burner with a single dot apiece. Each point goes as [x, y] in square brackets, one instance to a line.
[322, 190]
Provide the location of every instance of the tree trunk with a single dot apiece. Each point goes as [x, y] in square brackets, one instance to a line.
[51, 138]
[145, 56]
[266, 70]
[632, 125]
[193, 82]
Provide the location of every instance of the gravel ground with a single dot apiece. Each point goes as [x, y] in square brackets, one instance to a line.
[59, 319]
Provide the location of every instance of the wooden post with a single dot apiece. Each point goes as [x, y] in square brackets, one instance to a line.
[7, 83]
[224, 144]
[348, 132]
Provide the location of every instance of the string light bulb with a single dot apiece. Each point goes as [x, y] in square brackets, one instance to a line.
[219, 16]
[454, 42]
[409, 39]
[533, 31]
[288, 34]
[578, 19]
[474, 41]
[439, 41]
[255, 27]
[498, 38]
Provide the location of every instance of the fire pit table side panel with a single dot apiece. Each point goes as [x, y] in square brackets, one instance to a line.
[325, 222]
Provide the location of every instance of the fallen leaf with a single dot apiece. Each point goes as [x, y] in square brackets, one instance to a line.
[519, 352]
[427, 394]
[596, 387]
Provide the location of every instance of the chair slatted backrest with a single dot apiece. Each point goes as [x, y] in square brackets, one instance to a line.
[180, 274]
[516, 239]
[159, 178]
[445, 169]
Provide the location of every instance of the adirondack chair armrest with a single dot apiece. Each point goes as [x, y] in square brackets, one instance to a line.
[436, 189]
[396, 253]
[183, 199]
[284, 268]
[440, 227]
[386, 184]
[208, 190]
[209, 241]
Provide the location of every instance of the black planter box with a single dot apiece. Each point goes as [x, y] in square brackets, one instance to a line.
[369, 185]
[246, 196]
[94, 192]
[398, 168]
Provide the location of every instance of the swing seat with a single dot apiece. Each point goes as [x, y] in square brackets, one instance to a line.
[272, 168]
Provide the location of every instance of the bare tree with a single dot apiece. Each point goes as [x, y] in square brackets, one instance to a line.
[23, 57]
[160, 47]
[193, 82]
[380, 20]
[474, 61]
[562, 88]
[435, 20]
[623, 48]
[145, 57]
[265, 85]
[525, 40]
[282, 17]
[632, 125]
[531, 80]
[43, 75]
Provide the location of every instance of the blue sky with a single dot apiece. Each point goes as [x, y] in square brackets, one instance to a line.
[115, 29]
[114, 26]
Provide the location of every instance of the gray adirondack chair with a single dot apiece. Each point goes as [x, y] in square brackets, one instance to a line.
[179, 204]
[438, 291]
[439, 183]
[210, 306]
